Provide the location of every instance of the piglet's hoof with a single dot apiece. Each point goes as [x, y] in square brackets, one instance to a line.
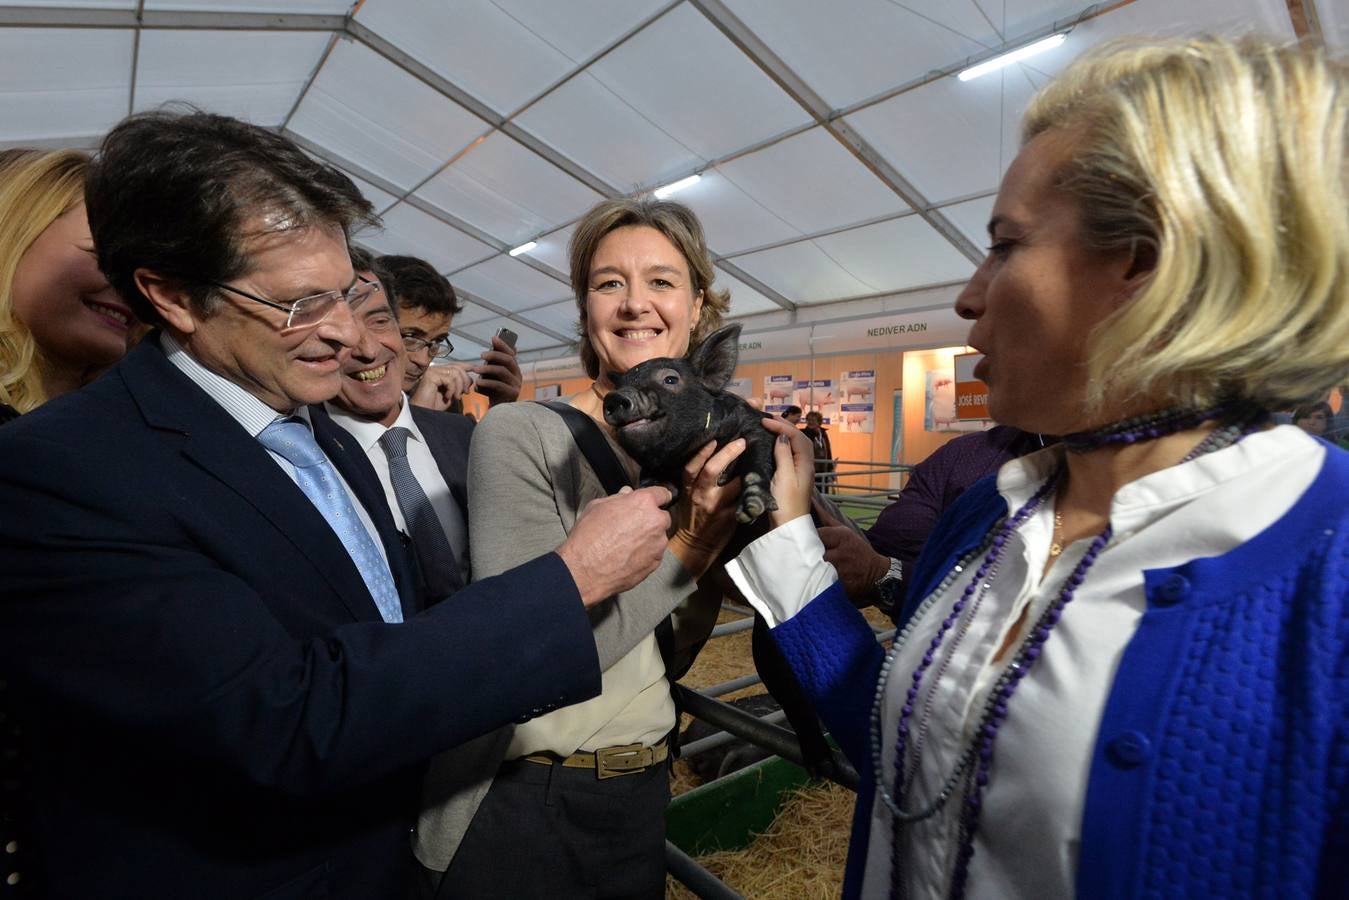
[750, 509]
[755, 499]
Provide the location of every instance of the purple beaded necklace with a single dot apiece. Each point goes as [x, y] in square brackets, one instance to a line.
[1236, 421]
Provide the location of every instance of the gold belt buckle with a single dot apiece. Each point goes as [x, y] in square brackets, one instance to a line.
[611, 762]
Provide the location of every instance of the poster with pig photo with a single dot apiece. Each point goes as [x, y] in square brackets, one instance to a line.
[858, 387]
[778, 391]
[939, 404]
[856, 418]
[857, 393]
[818, 395]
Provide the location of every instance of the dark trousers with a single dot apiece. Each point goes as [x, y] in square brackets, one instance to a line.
[549, 831]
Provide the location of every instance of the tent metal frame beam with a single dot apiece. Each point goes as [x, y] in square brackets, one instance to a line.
[427, 207]
[507, 126]
[309, 82]
[513, 315]
[135, 60]
[841, 229]
[473, 231]
[1089, 12]
[67, 17]
[494, 120]
[771, 293]
[749, 43]
[88, 142]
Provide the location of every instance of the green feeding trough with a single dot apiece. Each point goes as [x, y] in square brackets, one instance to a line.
[727, 813]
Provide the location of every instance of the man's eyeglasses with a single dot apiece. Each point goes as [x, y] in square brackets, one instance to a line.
[440, 349]
[315, 308]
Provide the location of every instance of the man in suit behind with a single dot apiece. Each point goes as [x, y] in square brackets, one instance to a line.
[423, 465]
[824, 454]
[205, 608]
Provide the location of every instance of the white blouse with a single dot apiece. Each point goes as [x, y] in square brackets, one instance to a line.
[1029, 832]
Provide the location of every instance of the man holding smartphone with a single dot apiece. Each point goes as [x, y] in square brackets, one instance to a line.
[426, 308]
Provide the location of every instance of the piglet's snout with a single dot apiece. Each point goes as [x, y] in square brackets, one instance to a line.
[619, 408]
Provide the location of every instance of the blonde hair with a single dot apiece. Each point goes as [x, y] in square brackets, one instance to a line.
[37, 187]
[1224, 162]
[674, 220]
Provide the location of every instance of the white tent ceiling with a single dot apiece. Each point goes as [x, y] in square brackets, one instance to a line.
[840, 157]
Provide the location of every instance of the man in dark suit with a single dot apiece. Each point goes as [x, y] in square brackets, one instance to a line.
[206, 611]
[423, 466]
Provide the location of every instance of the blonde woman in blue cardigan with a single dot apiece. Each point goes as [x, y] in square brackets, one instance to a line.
[1122, 669]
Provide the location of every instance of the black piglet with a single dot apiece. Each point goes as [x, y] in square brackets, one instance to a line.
[665, 409]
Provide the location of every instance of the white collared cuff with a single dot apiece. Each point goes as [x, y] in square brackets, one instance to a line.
[783, 571]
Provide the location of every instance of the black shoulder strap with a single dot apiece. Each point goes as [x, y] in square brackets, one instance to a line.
[610, 471]
[593, 446]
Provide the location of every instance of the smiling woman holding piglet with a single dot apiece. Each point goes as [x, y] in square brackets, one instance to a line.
[1123, 666]
[578, 795]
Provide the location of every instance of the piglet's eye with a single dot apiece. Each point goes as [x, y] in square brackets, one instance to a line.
[671, 379]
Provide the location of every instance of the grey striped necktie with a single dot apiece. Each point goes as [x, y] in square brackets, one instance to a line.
[440, 567]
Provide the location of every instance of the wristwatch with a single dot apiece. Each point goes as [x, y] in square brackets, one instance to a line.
[890, 586]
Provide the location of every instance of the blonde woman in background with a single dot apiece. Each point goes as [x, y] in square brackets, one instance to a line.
[60, 322]
[60, 325]
[1122, 668]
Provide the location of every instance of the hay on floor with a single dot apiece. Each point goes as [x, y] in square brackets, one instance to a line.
[800, 856]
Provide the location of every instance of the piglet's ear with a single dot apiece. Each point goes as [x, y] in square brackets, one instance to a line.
[714, 360]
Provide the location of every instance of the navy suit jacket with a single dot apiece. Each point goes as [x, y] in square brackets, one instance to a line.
[213, 706]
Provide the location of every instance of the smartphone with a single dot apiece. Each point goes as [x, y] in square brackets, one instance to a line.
[508, 336]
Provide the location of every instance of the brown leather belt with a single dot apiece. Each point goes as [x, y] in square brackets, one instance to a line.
[609, 762]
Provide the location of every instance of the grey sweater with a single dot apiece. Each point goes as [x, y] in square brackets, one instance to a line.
[527, 483]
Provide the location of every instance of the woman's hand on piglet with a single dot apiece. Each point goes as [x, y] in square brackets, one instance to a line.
[794, 477]
[704, 515]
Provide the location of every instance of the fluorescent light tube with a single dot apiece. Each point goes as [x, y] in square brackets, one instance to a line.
[524, 248]
[1011, 56]
[663, 192]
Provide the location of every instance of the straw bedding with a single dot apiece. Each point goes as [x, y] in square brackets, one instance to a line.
[801, 855]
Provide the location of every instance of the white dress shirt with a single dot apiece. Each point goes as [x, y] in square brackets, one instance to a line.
[1028, 840]
[254, 415]
[424, 469]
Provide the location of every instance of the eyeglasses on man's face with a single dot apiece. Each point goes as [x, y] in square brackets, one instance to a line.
[315, 308]
[440, 349]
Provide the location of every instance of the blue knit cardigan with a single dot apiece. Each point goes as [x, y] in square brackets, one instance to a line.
[1221, 763]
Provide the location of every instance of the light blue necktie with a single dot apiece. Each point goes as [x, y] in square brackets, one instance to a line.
[292, 440]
